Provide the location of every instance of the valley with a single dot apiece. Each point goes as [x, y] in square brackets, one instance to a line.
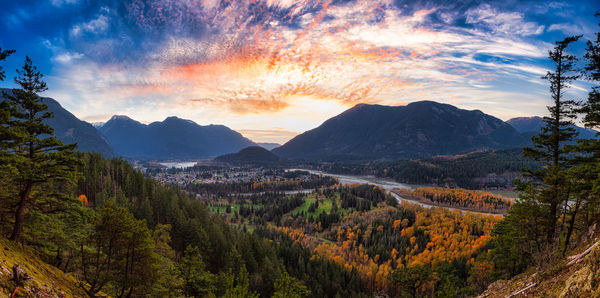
[295, 149]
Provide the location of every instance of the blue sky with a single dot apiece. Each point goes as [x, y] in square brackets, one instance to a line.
[272, 69]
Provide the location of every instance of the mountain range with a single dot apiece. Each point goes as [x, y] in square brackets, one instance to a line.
[364, 132]
[69, 129]
[173, 138]
[531, 126]
[424, 128]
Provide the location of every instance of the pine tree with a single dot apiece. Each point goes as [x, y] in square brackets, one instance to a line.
[587, 170]
[549, 146]
[287, 287]
[198, 282]
[3, 55]
[34, 156]
[5, 173]
[119, 252]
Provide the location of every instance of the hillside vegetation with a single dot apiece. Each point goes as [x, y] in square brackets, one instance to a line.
[574, 276]
[46, 280]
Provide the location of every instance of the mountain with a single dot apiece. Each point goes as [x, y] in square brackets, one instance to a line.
[173, 138]
[249, 155]
[70, 129]
[419, 129]
[530, 126]
[269, 146]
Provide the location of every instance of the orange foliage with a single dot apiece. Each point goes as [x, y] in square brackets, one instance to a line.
[82, 198]
[474, 200]
[451, 234]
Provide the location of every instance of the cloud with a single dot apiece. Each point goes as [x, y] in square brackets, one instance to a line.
[275, 135]
[566, 28]
[60, 3]
[502, 22]
[256, 58]
[98, 25]
[68, 57]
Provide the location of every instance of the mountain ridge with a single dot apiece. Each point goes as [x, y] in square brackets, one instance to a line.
[249, 155]
[424, 128]
[70, 129]
[530, 126]
[172, 138]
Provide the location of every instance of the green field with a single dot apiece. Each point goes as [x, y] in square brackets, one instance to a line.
[325, 205]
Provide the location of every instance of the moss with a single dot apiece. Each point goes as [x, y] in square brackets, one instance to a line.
[47, 281]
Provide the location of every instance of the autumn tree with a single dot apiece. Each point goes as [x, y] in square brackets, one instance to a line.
[40, 164]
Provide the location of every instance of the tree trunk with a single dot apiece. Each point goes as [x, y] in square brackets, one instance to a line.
[58, 260]
[20, 213]
[571, 226]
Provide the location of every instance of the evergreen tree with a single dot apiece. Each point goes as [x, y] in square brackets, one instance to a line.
[287, 287]
[5, 173]
[587, 169]
[120, 253]
[549, 146]
[412, 281]
[198, 282]
[34, 156]
[3, 55]
[241, 289]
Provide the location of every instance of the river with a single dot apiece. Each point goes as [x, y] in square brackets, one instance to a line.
[387, 184]
[179, 164]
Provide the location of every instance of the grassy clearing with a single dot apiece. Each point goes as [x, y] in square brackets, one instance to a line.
[325, 205]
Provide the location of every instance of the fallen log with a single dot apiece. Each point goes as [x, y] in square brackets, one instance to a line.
[575, 258]
[522, 290]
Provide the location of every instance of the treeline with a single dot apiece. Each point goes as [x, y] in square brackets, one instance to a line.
[225, 189]
[274, 205]
[472, 200]
[477, 170]
[362, 197]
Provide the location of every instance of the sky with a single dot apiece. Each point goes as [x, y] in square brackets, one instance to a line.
[272, 69]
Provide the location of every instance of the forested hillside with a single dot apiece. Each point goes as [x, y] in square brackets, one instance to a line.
[475, 170]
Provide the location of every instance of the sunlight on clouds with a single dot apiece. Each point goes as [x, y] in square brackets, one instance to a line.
[300, 62]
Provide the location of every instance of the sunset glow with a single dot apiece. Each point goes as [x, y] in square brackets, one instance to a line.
[272, 69]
